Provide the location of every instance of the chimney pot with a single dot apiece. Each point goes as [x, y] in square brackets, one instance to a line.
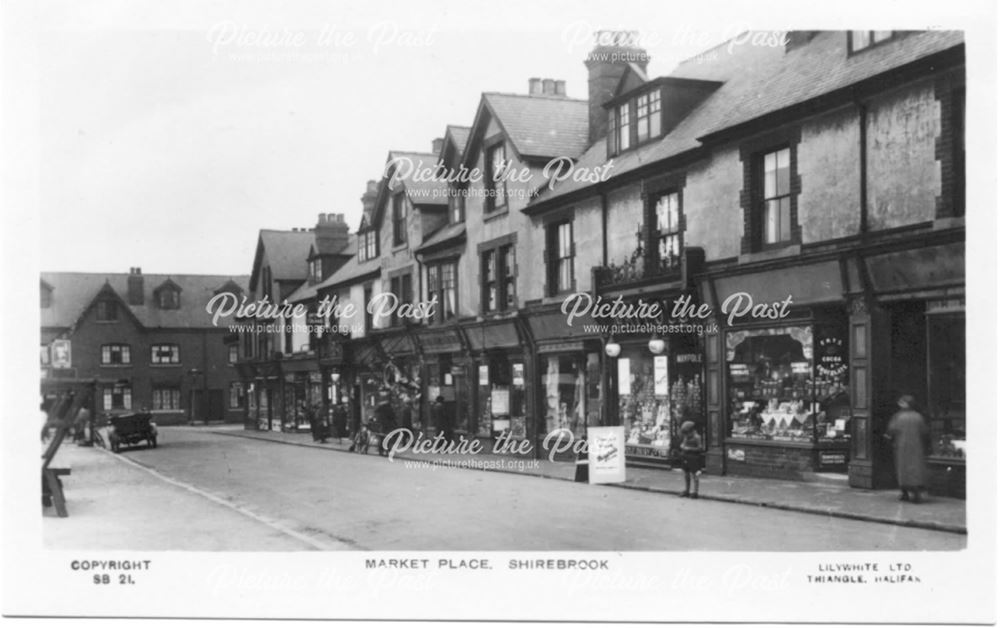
[548, 87]
[560, 88]
[534, 86]
[436, 145]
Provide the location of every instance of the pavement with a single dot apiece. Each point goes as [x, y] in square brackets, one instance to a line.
[110, 498]
[830, 498]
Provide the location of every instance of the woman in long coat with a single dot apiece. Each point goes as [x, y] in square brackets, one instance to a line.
[910, 440]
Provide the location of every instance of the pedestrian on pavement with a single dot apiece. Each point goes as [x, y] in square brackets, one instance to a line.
[340, 420]
[315, 423]
[386, 417]
[442, 420]
[911, 443]
[406, 414]
[692, 458]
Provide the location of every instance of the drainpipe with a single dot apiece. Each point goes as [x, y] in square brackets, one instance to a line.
[863, 165]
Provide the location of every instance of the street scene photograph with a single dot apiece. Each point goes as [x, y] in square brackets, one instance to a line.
[549, 298]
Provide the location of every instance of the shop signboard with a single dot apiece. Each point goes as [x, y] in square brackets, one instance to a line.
[606, 454]
[62, 354]
[500, 400]
[518, 378]
[484, 375]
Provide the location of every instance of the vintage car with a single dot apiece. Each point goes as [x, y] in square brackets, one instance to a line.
[131, 429]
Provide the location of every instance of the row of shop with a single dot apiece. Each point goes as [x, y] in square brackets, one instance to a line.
[809, 393]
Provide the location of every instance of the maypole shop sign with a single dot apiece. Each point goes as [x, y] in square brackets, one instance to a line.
[606, 454]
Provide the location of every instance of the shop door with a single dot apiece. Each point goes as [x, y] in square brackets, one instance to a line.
[216, 405]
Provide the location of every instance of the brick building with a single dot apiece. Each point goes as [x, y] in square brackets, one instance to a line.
[828, 169]
[151, 334]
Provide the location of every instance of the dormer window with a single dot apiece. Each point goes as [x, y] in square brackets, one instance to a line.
[168, 299]
[635, 121]
[647, 116]
[367, 245]
[316, 270]
[860, 40]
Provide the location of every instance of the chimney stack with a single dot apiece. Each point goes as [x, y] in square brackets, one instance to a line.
[436, 145]
[606, 63]
[331, 233]
[368, 198]
[134, 289]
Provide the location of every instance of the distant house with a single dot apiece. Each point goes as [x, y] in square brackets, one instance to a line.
[150, 334]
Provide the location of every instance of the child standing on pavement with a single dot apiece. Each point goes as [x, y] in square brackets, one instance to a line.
[692, 460]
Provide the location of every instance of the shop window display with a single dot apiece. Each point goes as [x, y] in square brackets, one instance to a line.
[563, 385]
[788, 384]
[946, 385]
[656, 395]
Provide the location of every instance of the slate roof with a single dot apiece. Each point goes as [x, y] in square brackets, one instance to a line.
[72, 294]
[443, 236]
[759, 80]
[287, 252]
[352, 268]
[542, 126]
[423, 192]
[460, 134]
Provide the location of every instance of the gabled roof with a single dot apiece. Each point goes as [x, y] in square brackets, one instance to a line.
[287, 252]
[352, 270]
[758, 81]
[73, 293]
[422, 191]
[167, 283]
[455, 139]
[539, 127]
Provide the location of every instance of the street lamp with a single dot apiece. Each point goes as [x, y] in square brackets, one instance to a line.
[612, 349]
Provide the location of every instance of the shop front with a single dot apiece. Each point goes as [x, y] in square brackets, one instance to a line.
[658, 385]
[445, 375]
[789, 406]
[569, 383]
[502, 371]
[916, 320]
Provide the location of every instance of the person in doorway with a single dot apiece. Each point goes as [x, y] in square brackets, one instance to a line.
[692, 458]
[910, 441]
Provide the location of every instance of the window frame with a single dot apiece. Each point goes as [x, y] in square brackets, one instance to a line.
[399, 216]
[496, 199]
[108, 397]
[240, 391]
[504, 279]
[107, 311]
[871, 41]
[123, 350]
[171, 303]
[560, 258]
[437, 286]
[157, 398]
[174, 359]
[763, 199]
[660, 235]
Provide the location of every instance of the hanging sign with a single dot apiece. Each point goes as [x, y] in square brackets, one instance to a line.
[606, 454]
[660, 386]
[624, 376]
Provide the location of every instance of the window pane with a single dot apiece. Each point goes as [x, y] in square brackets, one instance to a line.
[771, 211]
[782, 174]
[654, 123]
[770, 164]
[786, 219]
[625, 138]
[859, 39]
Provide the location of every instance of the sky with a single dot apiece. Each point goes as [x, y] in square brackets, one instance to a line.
[167, 134]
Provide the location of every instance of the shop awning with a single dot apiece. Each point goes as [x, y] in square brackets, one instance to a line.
[914, 270]
[299, 365]
[397, 344]
[552, 326]
[440, 341]
[809, 284]
[493, 336]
